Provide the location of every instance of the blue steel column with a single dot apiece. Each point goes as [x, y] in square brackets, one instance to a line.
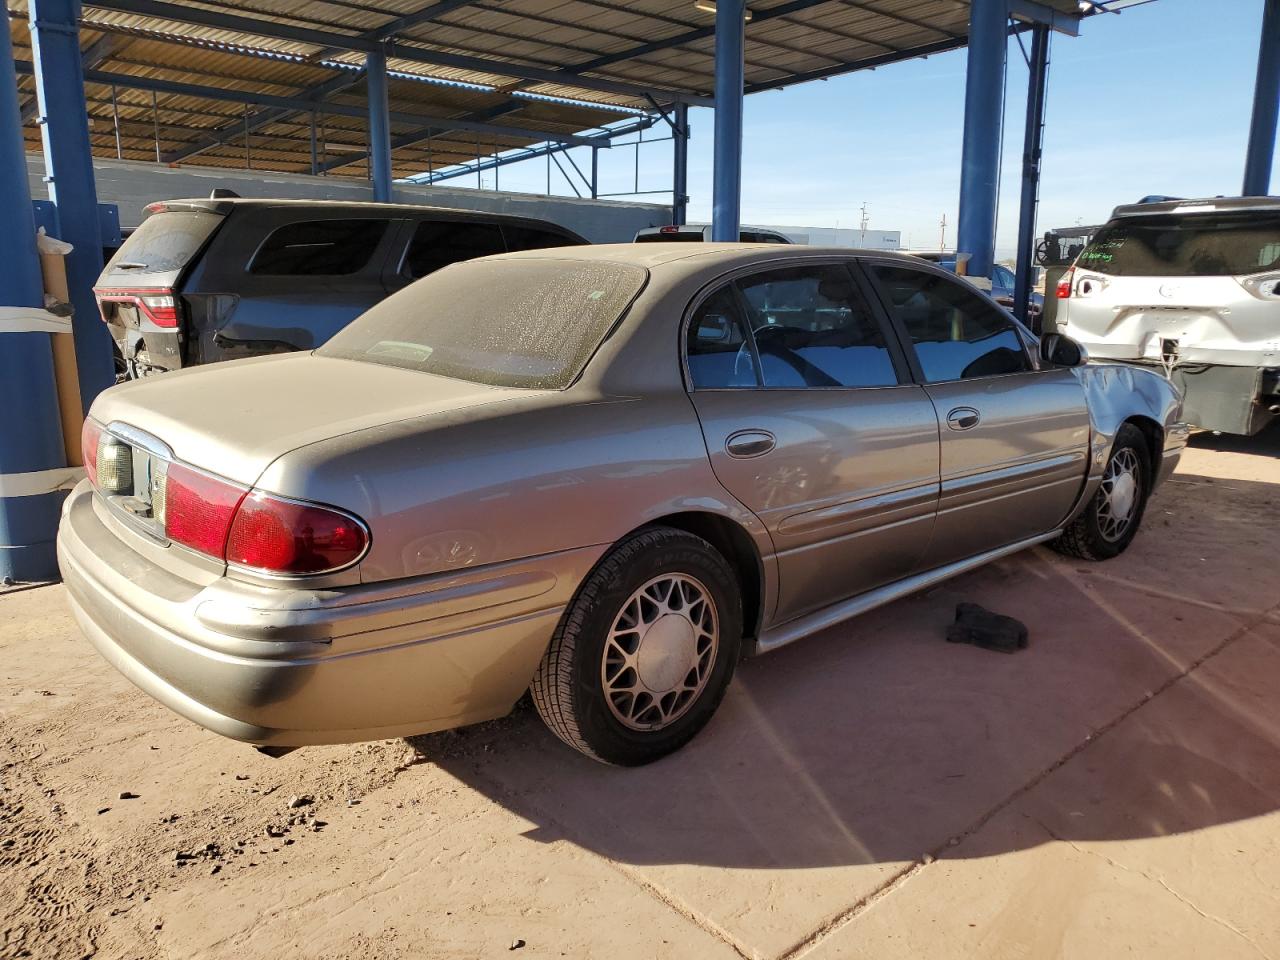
[379, 126]
[68, 162]
[1266, 101]
[726, 189]
[983, 121]
[31, 440]
[1032, 149]
[680, 173]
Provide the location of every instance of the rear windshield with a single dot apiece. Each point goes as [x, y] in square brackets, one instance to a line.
[506, 323]
[1197, 245]
[165, 242]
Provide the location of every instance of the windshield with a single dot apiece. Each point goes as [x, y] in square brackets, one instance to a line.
[506, 323]
[1197, 245]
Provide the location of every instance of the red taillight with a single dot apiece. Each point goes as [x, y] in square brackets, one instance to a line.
[90, 434]
[286, 537]
[158, 304]
[199, 508]
[1064, 285]
[668, 229]
[158, 207]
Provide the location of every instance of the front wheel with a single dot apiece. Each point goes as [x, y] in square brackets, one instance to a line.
[1110, 522]
[644, 653]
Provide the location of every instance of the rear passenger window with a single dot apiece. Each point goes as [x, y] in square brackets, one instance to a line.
[957, 334]
[719, 353]
[438, 243]
[813, 329]
[532, 238]
[319, 248]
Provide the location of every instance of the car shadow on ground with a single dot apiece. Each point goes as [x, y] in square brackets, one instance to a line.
[1265, 443]
[877, 741]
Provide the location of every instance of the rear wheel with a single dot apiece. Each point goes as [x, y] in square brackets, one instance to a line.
[645, 651]
[1110, 522]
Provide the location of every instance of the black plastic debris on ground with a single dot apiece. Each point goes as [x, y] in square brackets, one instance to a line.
[991, 631]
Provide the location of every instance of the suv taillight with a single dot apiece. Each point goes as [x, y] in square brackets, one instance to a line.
[157, 304]
[1064, 285]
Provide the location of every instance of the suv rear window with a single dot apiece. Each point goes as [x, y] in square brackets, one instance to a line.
[165, 242]
[682, 236]
[314, 248]
[506, 323]
[1198, 245]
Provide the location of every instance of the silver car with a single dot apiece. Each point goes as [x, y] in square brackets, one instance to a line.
[1190, 288]
[601, 474]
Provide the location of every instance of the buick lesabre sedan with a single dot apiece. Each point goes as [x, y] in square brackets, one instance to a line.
[601, 474]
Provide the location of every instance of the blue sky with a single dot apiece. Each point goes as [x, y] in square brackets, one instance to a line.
[1155, 99]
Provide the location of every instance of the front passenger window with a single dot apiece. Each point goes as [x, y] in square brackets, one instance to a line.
[957, 334]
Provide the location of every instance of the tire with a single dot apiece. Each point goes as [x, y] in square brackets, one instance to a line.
[595, 690]
[1098, 534]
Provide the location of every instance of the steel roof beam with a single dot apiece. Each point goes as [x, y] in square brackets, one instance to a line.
[236, 128]
[691, 36]
[293, 103]
[868, 63]
[900, 18]
[426, 133]
[1031, 11]
[519, 154]
[325, 39]
[97, 52]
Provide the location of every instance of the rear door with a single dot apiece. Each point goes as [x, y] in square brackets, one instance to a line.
[811, 421]
[1014, 439]
[289, 278]
[437, 243]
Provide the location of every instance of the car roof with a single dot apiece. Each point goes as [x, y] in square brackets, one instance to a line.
[728, 255]
[227, 204]
[1204, 205]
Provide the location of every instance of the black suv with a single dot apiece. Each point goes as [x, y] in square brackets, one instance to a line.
[216, 279]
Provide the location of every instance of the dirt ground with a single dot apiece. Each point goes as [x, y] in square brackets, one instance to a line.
[870, 792]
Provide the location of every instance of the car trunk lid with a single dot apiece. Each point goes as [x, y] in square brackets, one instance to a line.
[234, 419]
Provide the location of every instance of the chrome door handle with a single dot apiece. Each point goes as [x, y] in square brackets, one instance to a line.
[963, 418]
[749, 443]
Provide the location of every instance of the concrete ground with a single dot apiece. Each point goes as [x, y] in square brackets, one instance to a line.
[870, 792]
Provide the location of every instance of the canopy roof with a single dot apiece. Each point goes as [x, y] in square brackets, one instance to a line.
[472, 77]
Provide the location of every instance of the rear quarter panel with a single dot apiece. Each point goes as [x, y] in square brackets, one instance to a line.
[519, 479]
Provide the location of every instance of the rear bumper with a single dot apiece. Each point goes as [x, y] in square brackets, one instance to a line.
[290, 667]
[151, 351]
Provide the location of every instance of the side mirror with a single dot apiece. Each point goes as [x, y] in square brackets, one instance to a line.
[1059, 350]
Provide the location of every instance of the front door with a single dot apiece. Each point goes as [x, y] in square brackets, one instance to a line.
[1014, 439]
[812, 422]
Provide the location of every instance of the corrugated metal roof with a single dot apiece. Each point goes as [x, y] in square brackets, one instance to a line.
[601, 49]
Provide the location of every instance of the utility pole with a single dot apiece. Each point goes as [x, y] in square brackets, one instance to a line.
[862, 226]
[943, 242]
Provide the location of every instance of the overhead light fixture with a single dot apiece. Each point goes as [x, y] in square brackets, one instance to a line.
[709, 6]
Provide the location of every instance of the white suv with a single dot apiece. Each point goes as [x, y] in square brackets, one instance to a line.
[1193, 287]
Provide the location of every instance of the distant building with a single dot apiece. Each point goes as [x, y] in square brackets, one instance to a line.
[843, 237]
